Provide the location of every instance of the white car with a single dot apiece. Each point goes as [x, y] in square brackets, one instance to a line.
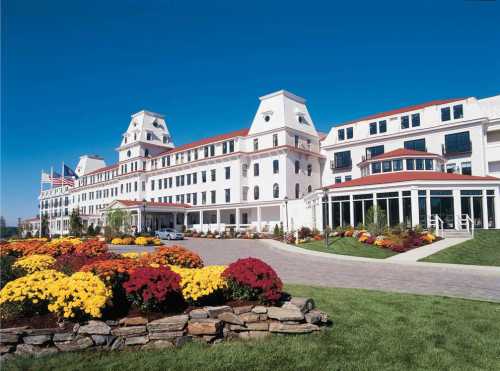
[169, 234]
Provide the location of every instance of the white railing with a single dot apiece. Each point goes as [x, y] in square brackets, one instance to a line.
[467, 222]
[436, 223]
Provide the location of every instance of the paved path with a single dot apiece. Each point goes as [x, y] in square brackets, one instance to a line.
[337, 271]
[416, 254]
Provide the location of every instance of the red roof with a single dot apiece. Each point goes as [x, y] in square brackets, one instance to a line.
[201, 142]
[403, 110]
[401, 152]
[407, 176]
[105, 168]
[152, 204]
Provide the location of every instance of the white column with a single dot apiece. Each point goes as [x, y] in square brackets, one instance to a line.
[175, 220]
[237, 219]
[457, 207]
[351, 211]
[485, 210]
[341, 206]
[186, 219]
[400, 209]
[330, 212]
[218, 220]
[428, 205]
[259, 217]
[201, 220]
[414, 207]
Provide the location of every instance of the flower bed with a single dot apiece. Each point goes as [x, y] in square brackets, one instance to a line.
[141, 241]
[81, 282]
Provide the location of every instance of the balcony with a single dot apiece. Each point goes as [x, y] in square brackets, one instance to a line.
[457, 150]
[341, 166]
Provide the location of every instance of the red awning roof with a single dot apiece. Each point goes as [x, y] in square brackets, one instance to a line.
[401, 152]
[403, 110]
[152, 204]
[106, 168]
[407, 176]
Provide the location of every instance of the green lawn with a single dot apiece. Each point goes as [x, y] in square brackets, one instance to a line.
[348, 246]
[372, 331]
[483, 249]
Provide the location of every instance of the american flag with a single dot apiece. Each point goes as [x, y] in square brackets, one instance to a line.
[68, 178]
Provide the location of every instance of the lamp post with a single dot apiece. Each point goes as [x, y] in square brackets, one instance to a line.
[143, 227]
[286, 212]
[325, 216]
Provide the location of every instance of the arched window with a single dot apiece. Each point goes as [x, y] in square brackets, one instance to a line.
[297, 166]
[309, 169]
[256, 192]
[146, 152]
[297, 190]
[276, 190]
[309, 189]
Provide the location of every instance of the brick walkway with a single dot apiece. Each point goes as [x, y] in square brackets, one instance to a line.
[315, 270]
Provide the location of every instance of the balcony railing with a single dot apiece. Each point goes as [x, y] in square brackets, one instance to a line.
[454, 151]
[343, 165]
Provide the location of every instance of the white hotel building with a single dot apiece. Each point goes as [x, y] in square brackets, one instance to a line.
[436, 162]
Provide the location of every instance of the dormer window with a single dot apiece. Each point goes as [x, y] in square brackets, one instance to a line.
[149, 136]
[125, 140]
[166, 139]
[267, 115]
[146, 152]
[129, 153]
[156, 125]
[267, 118]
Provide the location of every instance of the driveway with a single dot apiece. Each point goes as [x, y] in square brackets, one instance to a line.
[298, 268]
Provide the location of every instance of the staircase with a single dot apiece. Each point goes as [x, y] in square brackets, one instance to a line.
[453, 233]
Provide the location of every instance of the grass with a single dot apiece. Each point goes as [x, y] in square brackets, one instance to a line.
[348, 246]
[483, 249]
[371, 331]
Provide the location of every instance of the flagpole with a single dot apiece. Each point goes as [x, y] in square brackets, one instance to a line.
[62, 198]
[52, 203]
[40, 205]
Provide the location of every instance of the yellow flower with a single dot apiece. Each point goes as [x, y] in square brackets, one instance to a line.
[34, 263]
[197, 283]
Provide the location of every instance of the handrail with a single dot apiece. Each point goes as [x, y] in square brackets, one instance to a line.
[467, 220]
[437, 223]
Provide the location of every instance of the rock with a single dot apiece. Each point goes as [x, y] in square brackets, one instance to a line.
[208, 326]
[238, 328]
[258, 326]
[253, 335]
[209, 338]
[112, 323]
[95, 328]
[117, 344]
[133, 321]
[243, 309]
[230, 318]
[213, 312]
[304, 304]
[37, 339]
[313, 318]
[198, 314]
[13, 330]
[6, 348]
[137, 340]
[285, 314]
[158, 344]
[76, 327]
[263, 317]
[300, 328]
[323, 316]
[63, 336]
[259, 309]
[9, 338]
[100, 339]
[173, 323]
[129, 331]
[42, 331]
[6, 357]
[165, 335]
[288, 305]
[249, 317]
[79, 343]
[178, 342]
[33, 350]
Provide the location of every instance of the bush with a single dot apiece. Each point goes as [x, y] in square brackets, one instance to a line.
[176, 255]
[149, 288]
[6, 271]
[71, 263]
[252, 279]
[33, 263]
[200, 283]
[304, 232]
[113, 270]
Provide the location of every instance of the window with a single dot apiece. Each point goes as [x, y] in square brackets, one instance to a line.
[152, 185]
[309, 169]
[227, 171]
[382, 126]
[338, 179]
[224, 147]
[341, 134]
[275, 140]
[256, 192]
[212, 197]
[256, 144]
[349, 132]
[297, 190]
[129, 153]
[373, 128]
[458, 111]
[231, 146]
[348, 178]
[410, 164]
[205, 150]
[227, 193]
[212, 175]
[195, 178]
[386, 166]
[146, 152]
[204, 176]
[203, 198]
[309, 188]
[397, 165]
[457, 143]
[419, 164]
[255, 169]
[276, 166]
[445, 114]
[342, 159]
[372, 152]
[212, 150]
[276, 190]
[149, 136]
[415, 120]
[429, 164]
[451, 168]
[405, 122]
[376, 168]
[244, 170]
[466, 168]
[416, 145]
[160, 183]
[188, 179]
[296, 141]
[297, 166]
[165, 139]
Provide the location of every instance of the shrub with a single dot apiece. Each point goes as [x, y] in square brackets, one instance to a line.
[304, 232]
[176, 255]
[252, 279]
[149, 288]
[6, 271]
[33, 263]
[199, 283]
[91, 248]
[71, 263]
[81, 294]
[112, 270]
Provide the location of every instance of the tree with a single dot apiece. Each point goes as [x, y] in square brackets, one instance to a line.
[75, 223]
[44, 226]
[3, 227]
[90, 230]
[376, 220]
[117, 220]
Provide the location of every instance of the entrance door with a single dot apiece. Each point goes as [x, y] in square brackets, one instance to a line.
[443, 206]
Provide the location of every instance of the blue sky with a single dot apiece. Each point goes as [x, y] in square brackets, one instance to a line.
[74, 71]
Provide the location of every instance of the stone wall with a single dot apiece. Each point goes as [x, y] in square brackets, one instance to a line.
[207, 324]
